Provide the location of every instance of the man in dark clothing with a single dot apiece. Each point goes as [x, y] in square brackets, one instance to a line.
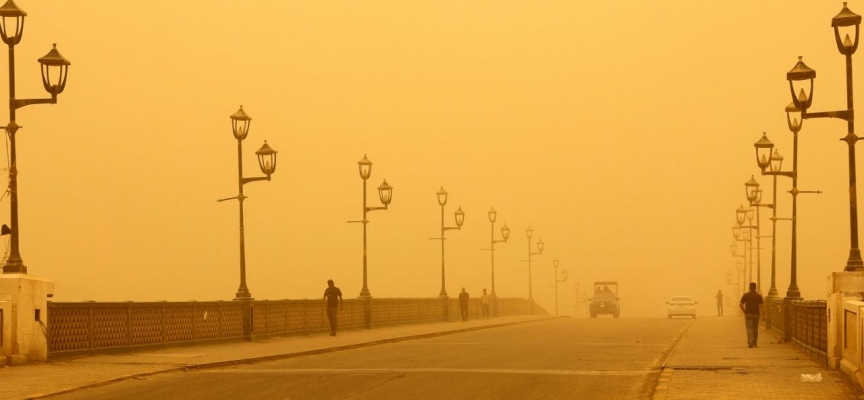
[463, 304]
[751, 304]
[333, 297]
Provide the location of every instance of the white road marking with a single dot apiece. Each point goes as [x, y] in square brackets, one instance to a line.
[421, 370]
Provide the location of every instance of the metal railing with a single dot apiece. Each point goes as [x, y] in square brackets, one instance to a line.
[803, 322]
[87, 327]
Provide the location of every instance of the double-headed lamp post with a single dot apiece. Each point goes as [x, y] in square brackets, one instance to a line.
[744, 237]
[741, 215]
[576, 310]
[770, 162]
[54, 72]
[240, 123]
[739, 266]
[530, 234]
[754, 195]
[460, 219]
[800, 74]
[385, 194]
[564, 275]
[505, 234]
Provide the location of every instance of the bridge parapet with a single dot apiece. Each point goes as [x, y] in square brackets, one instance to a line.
[87, 327]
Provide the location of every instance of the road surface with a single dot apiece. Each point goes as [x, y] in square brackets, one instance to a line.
[568, 358]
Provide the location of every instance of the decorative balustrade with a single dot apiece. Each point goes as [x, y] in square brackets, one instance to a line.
[89, 326]
[803, 322]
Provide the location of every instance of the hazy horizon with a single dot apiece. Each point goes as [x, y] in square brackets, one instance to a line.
[621, 132]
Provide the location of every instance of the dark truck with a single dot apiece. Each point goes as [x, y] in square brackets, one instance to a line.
[605, 299]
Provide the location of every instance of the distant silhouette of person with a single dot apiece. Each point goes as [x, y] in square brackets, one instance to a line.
[484, 304]
[751, 303]
[719, 298]
[463, 304]
[333, 297]
[598, 289]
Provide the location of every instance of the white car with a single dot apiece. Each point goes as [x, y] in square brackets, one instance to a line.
[682, 306]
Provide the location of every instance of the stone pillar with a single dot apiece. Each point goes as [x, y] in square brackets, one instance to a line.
[24, 308]
[843, 286]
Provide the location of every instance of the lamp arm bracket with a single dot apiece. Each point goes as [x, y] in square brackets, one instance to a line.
[438, 238]
[244, 181]
[18, 103]
[535, 254]
[809, 191]
[787, 174]
[447, 228]
[762, 205]
[356, 222]
[370, 209]
[228, 198]
[847, 115]
[780, 219]
[499, 241]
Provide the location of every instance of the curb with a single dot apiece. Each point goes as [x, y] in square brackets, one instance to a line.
[218, 364]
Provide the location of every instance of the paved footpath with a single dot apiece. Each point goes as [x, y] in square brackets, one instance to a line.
[712, 361]
[68, 374]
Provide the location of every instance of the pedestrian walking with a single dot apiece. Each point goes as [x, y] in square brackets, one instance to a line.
[463, 304]
[719, 298]
[751, 304]
[333, 298]
[484, 304]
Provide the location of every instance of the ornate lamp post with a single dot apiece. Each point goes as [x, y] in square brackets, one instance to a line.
[460, 219]
[747, 214]
[505, 234]
[267, 162]
[744, 238]
[736, 284]
[576, 310]
[771, 164]
[754, 196]
[385, 194]
[564, 274]
[54, 72]
[530, 233]
[800, 74]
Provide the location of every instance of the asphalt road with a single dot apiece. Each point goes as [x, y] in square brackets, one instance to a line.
[554, 359]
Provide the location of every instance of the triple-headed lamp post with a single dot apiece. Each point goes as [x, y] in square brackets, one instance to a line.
[240, 123]
[530, 234]
[54, 72]
[385, 194]
[460, 219]
[564, 275]
[802, 99]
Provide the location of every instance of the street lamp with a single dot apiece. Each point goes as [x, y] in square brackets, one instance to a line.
[240, 123]
[772, 166]
[740, 237]
[748, 215]
[576, 310]
[801, 74]
[505, 233]
[564, 275]
[530, 233]
[460, 219]
[54, 72]
[385, 195]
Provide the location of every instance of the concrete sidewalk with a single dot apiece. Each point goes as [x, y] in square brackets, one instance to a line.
[55, 377]
[712, 361]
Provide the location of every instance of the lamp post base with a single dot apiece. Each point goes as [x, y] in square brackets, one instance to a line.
[854, 263]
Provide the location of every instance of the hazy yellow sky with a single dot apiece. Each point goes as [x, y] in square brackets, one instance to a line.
[621, 131]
